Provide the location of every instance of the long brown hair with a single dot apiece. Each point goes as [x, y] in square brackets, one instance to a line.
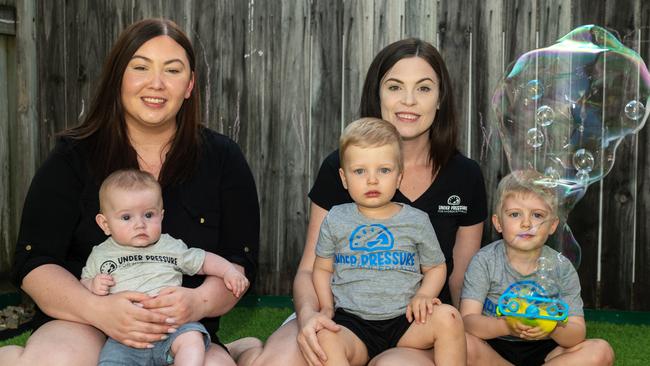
[443, 134]
[105, 126]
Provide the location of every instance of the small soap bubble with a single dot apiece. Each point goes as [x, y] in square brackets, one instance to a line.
[582, 177]
[583, 160]
[545, 116]
[634, 110]
[535, 138]
[546, 276]
[534, 89]
[551, 177]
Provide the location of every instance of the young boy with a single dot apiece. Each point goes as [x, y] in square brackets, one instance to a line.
[379, 267]
[136, 257]
[525, 214]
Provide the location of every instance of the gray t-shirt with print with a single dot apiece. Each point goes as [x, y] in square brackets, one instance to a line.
[489, 275]
[377, 262]
[147, 269]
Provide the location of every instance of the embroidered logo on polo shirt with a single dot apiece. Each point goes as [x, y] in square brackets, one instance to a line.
[453, 206]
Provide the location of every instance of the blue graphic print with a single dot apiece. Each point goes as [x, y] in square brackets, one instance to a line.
[371, 238]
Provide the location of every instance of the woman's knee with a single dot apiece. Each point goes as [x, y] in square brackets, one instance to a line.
[63, 343]
[11, 355]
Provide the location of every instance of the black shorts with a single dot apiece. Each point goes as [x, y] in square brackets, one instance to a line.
[528, 353]
[377, 335]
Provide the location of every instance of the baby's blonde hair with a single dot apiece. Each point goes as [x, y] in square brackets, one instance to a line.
[526, 182]
[129, 180]
[371, 132]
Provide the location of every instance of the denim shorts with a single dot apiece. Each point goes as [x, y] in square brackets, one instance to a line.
[115, 353]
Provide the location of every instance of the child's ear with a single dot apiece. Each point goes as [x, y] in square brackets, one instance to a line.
[399, 179]
[496, 223]
[345, 184]
[103, 223]
[554, 226]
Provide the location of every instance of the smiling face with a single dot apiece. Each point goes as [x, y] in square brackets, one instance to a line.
[132, 217]
[156, 81]
[525, 221]
[371, 175]
[409, 94]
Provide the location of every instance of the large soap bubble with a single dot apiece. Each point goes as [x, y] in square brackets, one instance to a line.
[562, 111]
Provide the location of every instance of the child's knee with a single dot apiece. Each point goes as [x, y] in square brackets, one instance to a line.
[188, 339]
[448, 317]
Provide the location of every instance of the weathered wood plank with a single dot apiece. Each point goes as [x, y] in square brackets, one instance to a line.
[585, 218]
[7, 20]
[326, 79]
[6, 122]
[619, 186]
[262, 49]
[52, 69]
[641, 288]
[358, 52]
[86, 51]
[421, 20]
[24, 137]
[388, 23]
[488, 69]
[219, 37]
[457, 23]
[554, 20]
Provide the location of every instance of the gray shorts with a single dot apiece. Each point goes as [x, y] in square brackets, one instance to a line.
[115, 353]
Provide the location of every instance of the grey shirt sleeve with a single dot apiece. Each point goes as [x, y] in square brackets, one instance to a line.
[429, 248]
[477, 280]
[570, 292]
[325, 246]
[91, 269]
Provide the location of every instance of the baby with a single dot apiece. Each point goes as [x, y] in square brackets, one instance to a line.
[137, 257]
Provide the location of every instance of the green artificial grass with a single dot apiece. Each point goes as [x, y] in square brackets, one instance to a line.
[630, 342]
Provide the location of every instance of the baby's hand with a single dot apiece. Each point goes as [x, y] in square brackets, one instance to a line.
[521, 330]
[235, 281]
[420, 308]
[101, 284]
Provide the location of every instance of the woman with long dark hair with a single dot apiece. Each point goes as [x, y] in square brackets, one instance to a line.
[408, 85]
[144, 115]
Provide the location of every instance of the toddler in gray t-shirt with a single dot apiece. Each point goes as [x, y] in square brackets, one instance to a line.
[525, 215]
[379, 267]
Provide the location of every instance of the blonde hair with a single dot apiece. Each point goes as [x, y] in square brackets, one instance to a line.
[526, 182]
[371, 132]
[129, 180]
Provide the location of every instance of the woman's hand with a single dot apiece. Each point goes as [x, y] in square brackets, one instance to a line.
[180, 305]
[420, 307]
[121, 317]
[311, 350]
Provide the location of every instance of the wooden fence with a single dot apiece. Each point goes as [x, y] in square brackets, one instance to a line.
[283, 77]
